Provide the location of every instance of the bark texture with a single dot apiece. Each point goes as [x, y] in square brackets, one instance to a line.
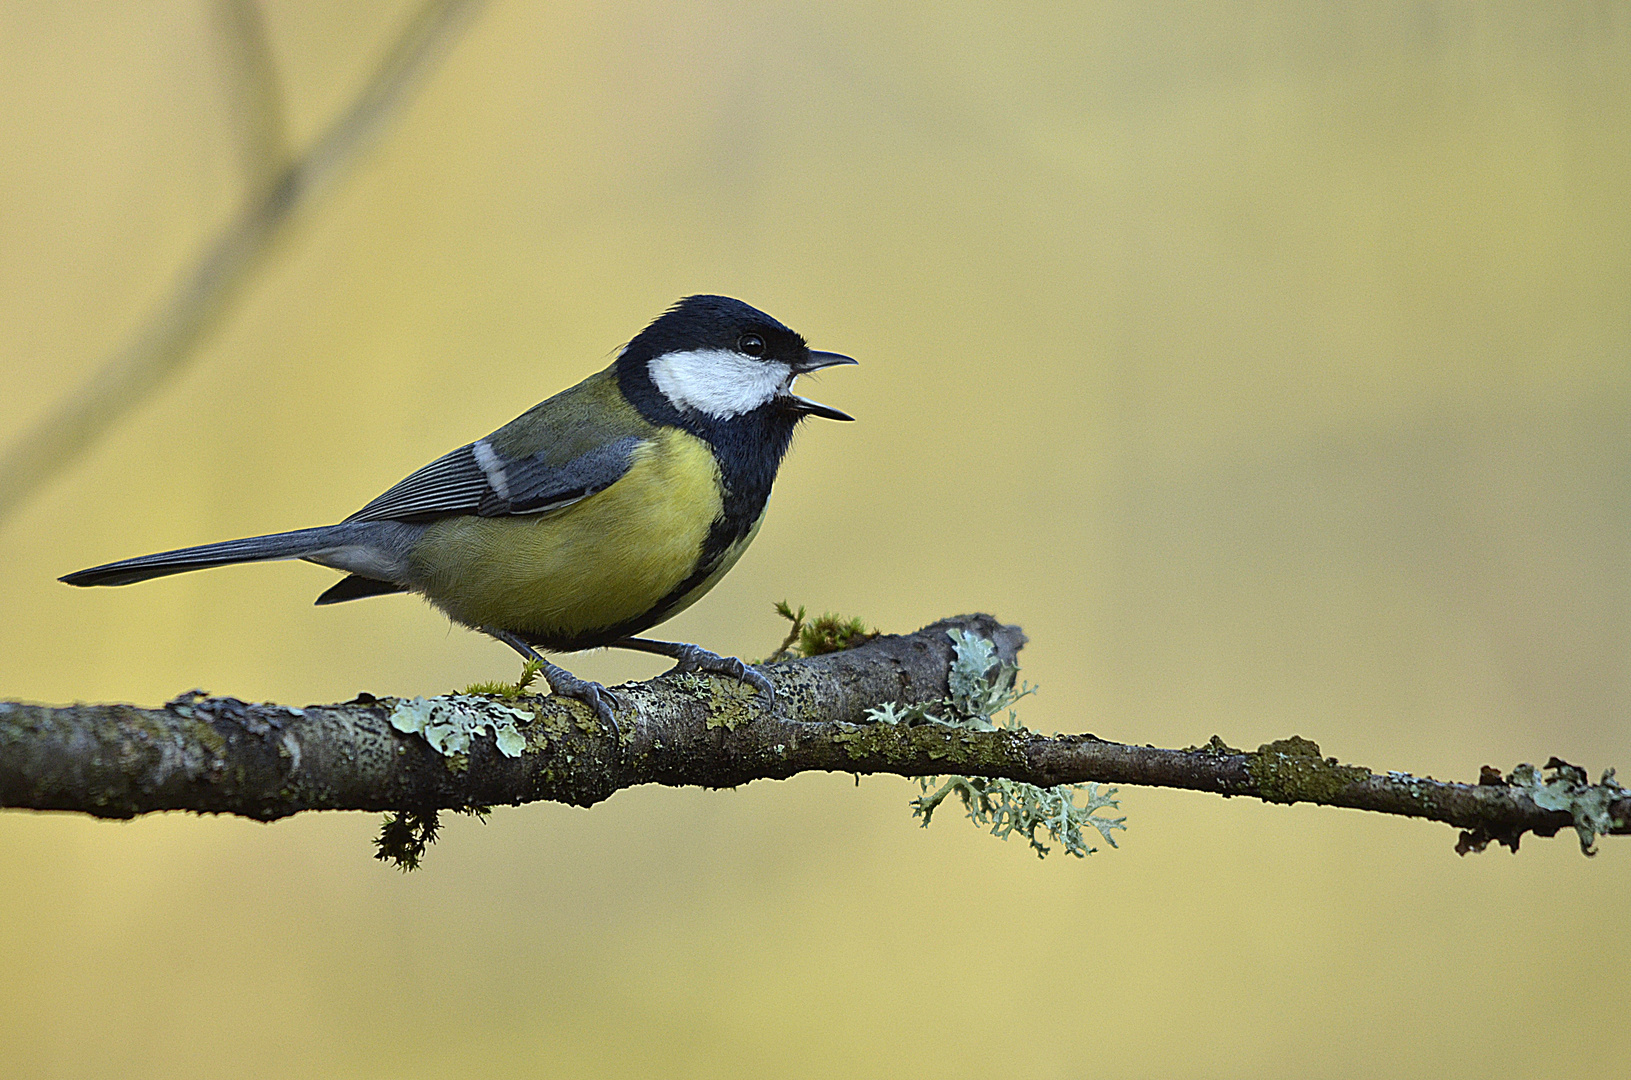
[221, 755]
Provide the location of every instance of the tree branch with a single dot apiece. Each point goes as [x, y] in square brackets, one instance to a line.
[221, 755]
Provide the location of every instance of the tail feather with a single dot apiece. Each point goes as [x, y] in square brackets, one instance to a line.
[288, 545]
[355, 587]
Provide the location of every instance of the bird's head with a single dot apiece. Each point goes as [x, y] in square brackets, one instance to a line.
[720, 358]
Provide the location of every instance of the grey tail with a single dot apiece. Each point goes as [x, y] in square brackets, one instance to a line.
[289, 545]
[355, 587]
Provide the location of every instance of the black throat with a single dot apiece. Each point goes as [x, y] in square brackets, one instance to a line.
[749, 448]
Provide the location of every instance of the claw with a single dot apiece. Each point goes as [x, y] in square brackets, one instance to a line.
[696, 658]
[600, 700]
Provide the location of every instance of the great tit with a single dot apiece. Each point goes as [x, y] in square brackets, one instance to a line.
[592, 516]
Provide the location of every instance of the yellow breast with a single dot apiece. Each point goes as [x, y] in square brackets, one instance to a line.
[599, 563]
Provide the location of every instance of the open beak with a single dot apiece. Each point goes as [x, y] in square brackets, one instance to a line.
[806, 407]
[815, 361]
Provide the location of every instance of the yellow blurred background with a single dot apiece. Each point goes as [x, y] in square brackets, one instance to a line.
[1271, 364]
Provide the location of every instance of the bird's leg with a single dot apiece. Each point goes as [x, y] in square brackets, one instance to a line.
[696, 658]
[563, 682]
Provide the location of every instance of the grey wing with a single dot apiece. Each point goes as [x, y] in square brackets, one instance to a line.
[476, 479]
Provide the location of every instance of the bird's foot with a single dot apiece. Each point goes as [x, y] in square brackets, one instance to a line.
[600, 700]
[689, 658]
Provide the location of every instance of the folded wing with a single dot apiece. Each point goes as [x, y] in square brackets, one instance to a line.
[476, 479]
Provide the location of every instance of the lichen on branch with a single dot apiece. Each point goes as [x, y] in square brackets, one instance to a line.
[979, 686]
[921, 705]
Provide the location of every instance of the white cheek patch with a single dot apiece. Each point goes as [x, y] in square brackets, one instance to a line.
[719, 382]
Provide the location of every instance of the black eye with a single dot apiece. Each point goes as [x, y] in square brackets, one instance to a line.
[751, 344]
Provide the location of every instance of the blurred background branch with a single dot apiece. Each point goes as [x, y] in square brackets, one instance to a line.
[276, 188]
[221, 755]
[256, 96]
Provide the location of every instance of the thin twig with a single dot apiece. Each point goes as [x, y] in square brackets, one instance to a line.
[256, 96]
[206, 292]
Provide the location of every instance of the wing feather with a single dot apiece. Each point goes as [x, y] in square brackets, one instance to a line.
[452, 484]
[488, 484]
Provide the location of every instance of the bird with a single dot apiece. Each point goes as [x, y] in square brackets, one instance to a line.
[591, 517]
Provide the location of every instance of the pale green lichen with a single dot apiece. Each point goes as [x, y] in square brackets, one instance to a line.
[1567, 789]
[691, 684]
[449, 722]
[1009, 806]
[981, 686]
[730, 703]
[729, 700]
